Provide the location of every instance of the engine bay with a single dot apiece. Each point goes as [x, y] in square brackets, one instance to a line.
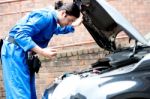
[118, 59]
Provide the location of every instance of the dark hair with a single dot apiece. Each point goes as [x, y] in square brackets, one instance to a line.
[58, 4]
[71, 9]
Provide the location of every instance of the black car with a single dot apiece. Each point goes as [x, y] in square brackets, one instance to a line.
[123, 74]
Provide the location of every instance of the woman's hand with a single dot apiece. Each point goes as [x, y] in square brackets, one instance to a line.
[49, 52]
[46, 52]
[78, 21]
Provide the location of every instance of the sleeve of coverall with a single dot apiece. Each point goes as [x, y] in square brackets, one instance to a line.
[33, 25]
[64, 30]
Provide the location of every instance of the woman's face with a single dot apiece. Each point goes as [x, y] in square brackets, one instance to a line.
[66, 19]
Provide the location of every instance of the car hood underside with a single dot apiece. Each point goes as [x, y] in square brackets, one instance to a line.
[104, 23]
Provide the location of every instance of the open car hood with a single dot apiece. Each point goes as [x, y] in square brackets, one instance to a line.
[104, 23]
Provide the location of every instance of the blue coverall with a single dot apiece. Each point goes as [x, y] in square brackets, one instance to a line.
[36, 28]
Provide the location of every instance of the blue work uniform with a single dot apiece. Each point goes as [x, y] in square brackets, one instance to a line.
[36, 28]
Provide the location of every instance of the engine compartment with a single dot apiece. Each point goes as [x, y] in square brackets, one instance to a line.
[119, 58]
